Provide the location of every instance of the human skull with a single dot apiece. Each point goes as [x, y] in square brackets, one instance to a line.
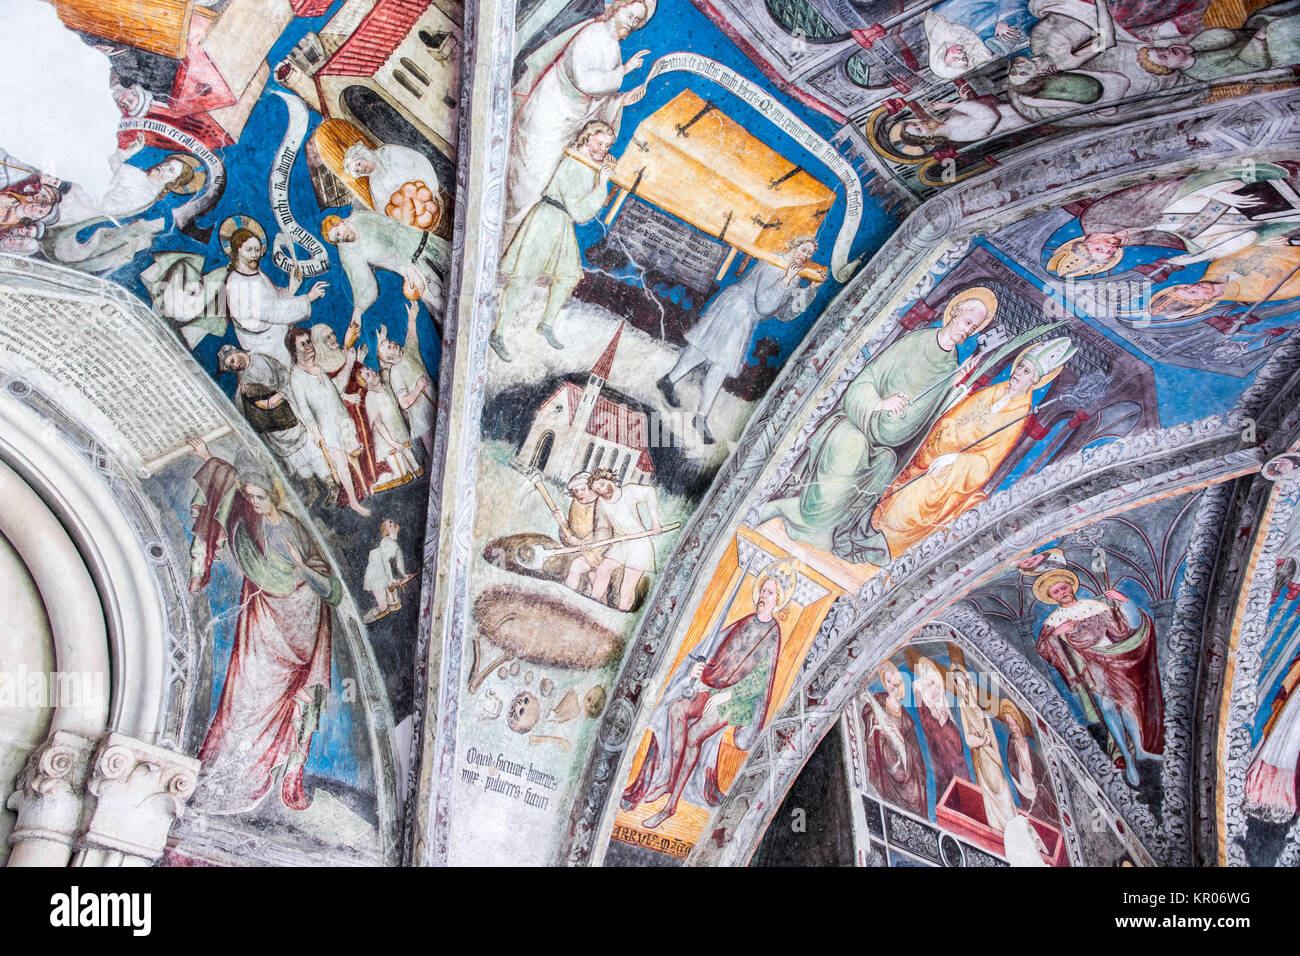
[525, 711]
[594, 701]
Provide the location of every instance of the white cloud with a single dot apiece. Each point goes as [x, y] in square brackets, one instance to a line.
[57, 113]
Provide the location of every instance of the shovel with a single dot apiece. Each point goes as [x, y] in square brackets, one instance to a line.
[541, 555]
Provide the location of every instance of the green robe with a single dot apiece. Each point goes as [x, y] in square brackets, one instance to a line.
[1267, 41]
[853, 455]
[546, 244]
[1069, 87]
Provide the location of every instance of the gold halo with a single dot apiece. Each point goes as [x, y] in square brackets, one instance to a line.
[986, 297]
[885, 143]
[1048, 578]
[197, 181]
[912, 151]
[784, 575]
[229, 227]
[890, 665]
[1069, 264]
[1007, 709]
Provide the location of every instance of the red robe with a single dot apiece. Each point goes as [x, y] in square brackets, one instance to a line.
[1130, 678]
[281, 647]
[899, 779]
[947, 756]
[742, 648]
[366, 471]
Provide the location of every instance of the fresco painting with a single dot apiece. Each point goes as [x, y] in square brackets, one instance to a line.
[1041, 342]
[1092, 612]
[934, 93]
[951, 765]
[637, 622]
[1005, 367]
[282, 197]
[671, 223]
[1263, 761]
[732, 674]
[284, 748]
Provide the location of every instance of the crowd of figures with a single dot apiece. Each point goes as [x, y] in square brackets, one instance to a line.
[957, 85]
[920, 756]
[346, 421]
[1075, 63]
[43, 215]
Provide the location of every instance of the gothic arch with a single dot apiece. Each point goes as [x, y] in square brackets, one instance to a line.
[1104, 480]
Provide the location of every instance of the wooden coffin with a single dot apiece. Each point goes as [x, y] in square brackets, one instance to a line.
[160, 26]
[961, 812]
[698, 164]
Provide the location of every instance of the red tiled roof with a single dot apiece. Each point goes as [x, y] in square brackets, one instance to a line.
[311, 8]
[613, 422]
[378, 34]
[606, 360]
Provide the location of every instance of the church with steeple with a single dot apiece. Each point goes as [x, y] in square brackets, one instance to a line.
[578, 429]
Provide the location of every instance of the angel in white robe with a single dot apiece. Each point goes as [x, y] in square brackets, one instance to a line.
[132, 190]
[569, 82]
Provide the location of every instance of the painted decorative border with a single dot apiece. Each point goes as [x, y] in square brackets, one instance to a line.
[37, 278]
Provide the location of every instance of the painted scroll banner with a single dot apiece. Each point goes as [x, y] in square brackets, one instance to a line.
[216, 170]
[777, 114]
[295, 132]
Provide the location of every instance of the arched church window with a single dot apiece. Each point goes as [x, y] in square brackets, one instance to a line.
[414, 70]
[400, 77]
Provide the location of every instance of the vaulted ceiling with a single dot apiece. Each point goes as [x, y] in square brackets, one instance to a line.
[929, 369]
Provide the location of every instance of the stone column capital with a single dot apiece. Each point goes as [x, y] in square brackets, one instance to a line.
[48, 800]
[136, 792]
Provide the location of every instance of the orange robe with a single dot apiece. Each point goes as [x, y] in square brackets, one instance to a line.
[981, 437]
[1259, 273]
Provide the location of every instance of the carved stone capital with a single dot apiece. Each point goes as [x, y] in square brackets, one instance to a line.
[48, 800]
[137, 791]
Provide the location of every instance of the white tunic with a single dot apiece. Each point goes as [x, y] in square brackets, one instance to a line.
[261, 312]
[620, 517]
[972, 120]
[401, 379]
[379, 567]
[395, 166]
[317, 403]
[382, 409]
[1270, 783]
[384, 243]
[293, 446]
[726, 328]
[580, 85]
[1230, 232]
[129, 193]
